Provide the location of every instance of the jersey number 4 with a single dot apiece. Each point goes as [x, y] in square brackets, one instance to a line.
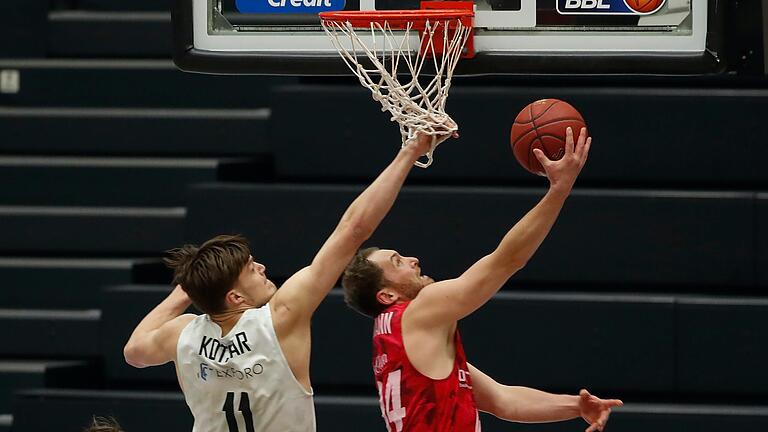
[245, 409]
[389, 400]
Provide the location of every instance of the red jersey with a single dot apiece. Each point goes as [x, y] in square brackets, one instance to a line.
[410, 401]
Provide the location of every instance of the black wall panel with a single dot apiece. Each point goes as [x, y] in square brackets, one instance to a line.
[133, 83]
[132, 132]
[721, 345]
[641, 135]
[58, 334]
[602, 236]
[86, 231]
[761, 238]
[605, 343]
[59, 283]
[24, 29]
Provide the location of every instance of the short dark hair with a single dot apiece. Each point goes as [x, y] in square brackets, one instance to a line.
[208, 272]
[361, 281]
[103, 424]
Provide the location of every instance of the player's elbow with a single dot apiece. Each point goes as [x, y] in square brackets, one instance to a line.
[506, 407]
[133, 355]
[516, 265]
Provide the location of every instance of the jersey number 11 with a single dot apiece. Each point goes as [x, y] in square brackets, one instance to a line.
[245, 409]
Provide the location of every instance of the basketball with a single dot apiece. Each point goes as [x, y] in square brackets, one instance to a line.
[644, 6]
[542, 125]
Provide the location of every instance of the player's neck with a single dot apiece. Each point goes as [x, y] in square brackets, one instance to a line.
[228, 319]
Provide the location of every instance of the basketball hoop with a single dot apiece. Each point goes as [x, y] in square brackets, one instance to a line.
[444, 33]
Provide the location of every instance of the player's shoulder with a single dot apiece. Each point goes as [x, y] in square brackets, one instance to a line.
[175, 326]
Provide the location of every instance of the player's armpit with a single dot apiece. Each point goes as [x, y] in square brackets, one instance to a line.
[486, 391]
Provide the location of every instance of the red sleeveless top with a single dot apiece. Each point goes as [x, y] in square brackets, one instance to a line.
[410, 401]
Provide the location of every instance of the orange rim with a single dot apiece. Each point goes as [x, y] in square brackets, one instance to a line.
[395, 18]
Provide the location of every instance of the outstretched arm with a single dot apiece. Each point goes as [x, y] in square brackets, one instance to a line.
[443, 303]
[527, 405]
[154, 340]
[304, 291]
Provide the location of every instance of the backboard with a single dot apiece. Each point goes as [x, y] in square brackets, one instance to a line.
[510, 36]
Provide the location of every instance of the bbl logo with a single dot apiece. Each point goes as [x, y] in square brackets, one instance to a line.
[609, 7]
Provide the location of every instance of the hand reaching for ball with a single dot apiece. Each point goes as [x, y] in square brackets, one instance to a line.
[562, 173]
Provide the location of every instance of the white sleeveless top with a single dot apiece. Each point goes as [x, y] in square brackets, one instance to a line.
[241, 382]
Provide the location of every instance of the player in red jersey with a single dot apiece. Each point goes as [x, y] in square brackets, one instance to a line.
[424, 380]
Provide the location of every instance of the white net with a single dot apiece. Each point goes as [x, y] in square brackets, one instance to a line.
[418, 107]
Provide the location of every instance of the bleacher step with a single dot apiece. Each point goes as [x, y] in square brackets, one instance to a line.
[88, 230]
[65, 334]
[33, 282]
[134, 131]
[110, 34]
[132, 83]
[71, 410]
[110, 181]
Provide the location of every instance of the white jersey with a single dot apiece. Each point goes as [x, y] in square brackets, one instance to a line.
[241, 382]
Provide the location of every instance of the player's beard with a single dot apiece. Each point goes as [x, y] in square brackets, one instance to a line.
[411, 289]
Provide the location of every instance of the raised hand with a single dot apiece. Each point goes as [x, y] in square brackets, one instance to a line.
[596, 411]
[562, 173]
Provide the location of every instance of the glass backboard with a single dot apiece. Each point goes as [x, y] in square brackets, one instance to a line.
[510, 36]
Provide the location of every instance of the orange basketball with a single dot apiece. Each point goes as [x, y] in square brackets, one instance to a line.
[542, 125]
[644, 6]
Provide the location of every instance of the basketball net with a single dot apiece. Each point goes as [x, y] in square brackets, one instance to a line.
[417, 108]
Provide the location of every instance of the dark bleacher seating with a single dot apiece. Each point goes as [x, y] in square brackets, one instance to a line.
[134, 131]
[610, 344]
[71, 410]
[127, 34]
[57, 333]
[649, 288]
[60, 282]
[762, 240]
[119, 5]
[169, 412]
[696, 125]
[16, 36]
[635, 237]
[90, 230]
[133, 83]
[107, 181]
[23, 374]
[718, 348]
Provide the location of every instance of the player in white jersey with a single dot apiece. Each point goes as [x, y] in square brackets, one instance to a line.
[244, 365]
